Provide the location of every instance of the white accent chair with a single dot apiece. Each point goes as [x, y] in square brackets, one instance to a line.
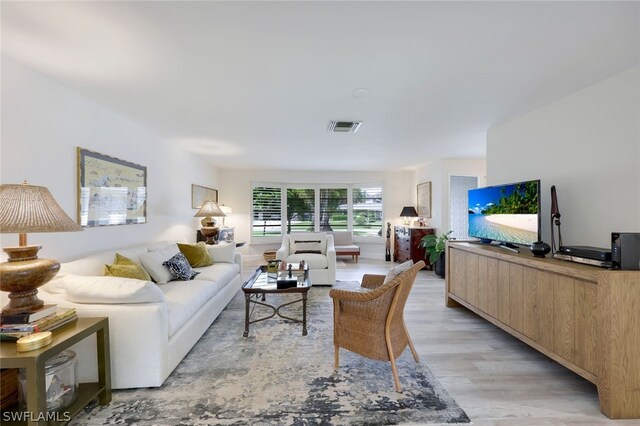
[316, 249]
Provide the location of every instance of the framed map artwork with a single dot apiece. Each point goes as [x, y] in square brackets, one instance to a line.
[110, 191]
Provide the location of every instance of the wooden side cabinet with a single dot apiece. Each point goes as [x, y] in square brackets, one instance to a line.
[406, 243]
[34, 361]
[585, 318]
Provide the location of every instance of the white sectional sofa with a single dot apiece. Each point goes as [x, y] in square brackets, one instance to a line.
[152, 327]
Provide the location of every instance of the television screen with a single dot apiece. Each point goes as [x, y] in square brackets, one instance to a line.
[506, 213]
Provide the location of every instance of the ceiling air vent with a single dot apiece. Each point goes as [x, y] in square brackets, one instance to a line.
[344, 126]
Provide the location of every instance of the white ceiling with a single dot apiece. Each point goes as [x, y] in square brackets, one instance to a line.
[254, 84]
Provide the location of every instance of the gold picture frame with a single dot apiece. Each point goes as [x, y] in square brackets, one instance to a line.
[200, 194]
[424, 200]
[111, 191]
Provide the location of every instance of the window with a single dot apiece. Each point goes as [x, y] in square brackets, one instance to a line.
[267, 216]
[287, 208]
[334, 209]
[367, 211]
[301, 210]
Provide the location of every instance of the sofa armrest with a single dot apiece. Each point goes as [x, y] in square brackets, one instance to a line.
[331, 259]
[283, 251]
[238, 259]
[136, 331]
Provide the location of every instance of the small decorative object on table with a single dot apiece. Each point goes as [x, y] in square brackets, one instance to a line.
[540, 248]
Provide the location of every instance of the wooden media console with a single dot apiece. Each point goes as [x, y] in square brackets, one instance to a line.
[585, 318]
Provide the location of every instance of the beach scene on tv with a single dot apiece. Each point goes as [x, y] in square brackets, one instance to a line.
[505, 213]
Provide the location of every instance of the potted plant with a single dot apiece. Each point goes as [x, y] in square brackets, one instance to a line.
[434, 248]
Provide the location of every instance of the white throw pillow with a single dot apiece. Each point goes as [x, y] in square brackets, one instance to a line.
[397, 270]
[153, 263]
[222, 252]
[111, 290]
[305, 242]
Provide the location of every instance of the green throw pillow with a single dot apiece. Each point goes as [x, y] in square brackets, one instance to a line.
[126, 268]
[197, 254]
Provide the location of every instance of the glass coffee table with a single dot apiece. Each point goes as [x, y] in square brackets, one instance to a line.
[263, 282]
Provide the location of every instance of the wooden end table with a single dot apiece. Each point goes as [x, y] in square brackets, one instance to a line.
[33, 362]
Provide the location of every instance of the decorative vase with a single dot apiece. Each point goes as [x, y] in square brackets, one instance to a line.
[439, 266]
[540, 249]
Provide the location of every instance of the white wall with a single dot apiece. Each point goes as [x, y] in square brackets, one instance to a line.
[438, 172]
[235, 191]
[588, 145]
[43, 123]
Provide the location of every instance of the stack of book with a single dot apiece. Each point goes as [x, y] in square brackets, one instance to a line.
[47, 318]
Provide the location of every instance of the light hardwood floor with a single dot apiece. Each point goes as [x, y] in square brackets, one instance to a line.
[494, 377]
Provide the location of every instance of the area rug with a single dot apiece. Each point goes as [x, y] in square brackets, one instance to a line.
[276, 376]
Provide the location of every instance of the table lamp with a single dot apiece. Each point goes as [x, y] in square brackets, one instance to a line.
[408, 212]
[28, 208]
[226, 210]
[208, 211]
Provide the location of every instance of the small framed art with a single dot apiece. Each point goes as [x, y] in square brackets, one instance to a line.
[200, 194]
[424, 200]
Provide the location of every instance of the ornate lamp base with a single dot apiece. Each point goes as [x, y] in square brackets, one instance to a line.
[210, 232]
[22, 275]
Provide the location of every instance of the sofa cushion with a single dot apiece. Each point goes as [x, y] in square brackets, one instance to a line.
[126, 268]
[134, 253]
[315, 261]
[153, 263]
[342, 238]
[92, 289]
[308, 243]
[197, 254]
[221, 273]
[348, 249]
[397, 270]
[180, 268]
[85, 266]
[185, 299]
[159, 245]
[222, 252]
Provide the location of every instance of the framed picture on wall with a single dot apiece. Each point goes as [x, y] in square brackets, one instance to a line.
[111, 191]
[200, 194]
[424, 200]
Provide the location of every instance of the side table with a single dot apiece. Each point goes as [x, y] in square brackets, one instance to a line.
[33, 362]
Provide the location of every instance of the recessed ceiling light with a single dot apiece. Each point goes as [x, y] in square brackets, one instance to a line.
[344, 126]
[360, 93]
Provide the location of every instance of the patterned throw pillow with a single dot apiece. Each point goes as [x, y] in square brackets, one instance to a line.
[180, 268]
[307, 246]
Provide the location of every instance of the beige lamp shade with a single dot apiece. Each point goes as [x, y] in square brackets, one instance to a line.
[210, 209]
[209, 229]
[28, 208]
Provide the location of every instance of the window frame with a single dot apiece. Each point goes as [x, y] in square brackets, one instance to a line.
[255, 239]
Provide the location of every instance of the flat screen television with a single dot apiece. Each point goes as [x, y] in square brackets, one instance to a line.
[508, 214]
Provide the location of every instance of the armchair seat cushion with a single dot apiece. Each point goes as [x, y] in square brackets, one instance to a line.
[315, 261]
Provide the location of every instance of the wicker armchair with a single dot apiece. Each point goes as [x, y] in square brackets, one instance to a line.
[370, 320]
